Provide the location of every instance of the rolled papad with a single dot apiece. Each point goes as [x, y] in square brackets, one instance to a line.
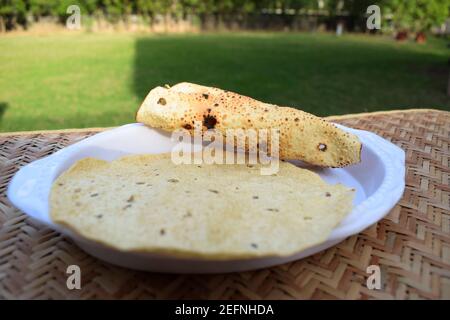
[303, 136]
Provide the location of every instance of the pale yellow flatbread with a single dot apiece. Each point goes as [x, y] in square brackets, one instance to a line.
[303, 136]
[146, 203]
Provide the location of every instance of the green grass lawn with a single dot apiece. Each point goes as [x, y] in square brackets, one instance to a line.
[90, 80]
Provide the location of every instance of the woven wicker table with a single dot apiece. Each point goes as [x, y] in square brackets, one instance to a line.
[411, 245]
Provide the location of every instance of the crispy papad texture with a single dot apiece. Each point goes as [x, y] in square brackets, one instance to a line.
[145, 203]
[303, 136]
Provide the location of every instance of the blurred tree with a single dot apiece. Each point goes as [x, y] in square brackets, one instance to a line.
[417, 15]
[12, 13]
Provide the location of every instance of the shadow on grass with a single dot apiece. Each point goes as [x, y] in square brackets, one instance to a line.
[169, 60]
[3, 107]
[317, 73]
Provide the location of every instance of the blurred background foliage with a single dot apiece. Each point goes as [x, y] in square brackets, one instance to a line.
[414, 15]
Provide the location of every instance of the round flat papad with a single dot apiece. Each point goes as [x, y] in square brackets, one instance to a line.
[146, 203]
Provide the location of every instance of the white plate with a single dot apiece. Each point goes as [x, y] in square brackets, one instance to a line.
[379, 180]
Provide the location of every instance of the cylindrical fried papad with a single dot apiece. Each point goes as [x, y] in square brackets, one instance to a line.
[303, 136]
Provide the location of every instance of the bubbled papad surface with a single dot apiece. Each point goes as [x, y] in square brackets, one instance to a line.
[146, 203]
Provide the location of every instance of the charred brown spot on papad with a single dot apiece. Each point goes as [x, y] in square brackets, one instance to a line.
[209, 121]
[162, 101]
[322, 147]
